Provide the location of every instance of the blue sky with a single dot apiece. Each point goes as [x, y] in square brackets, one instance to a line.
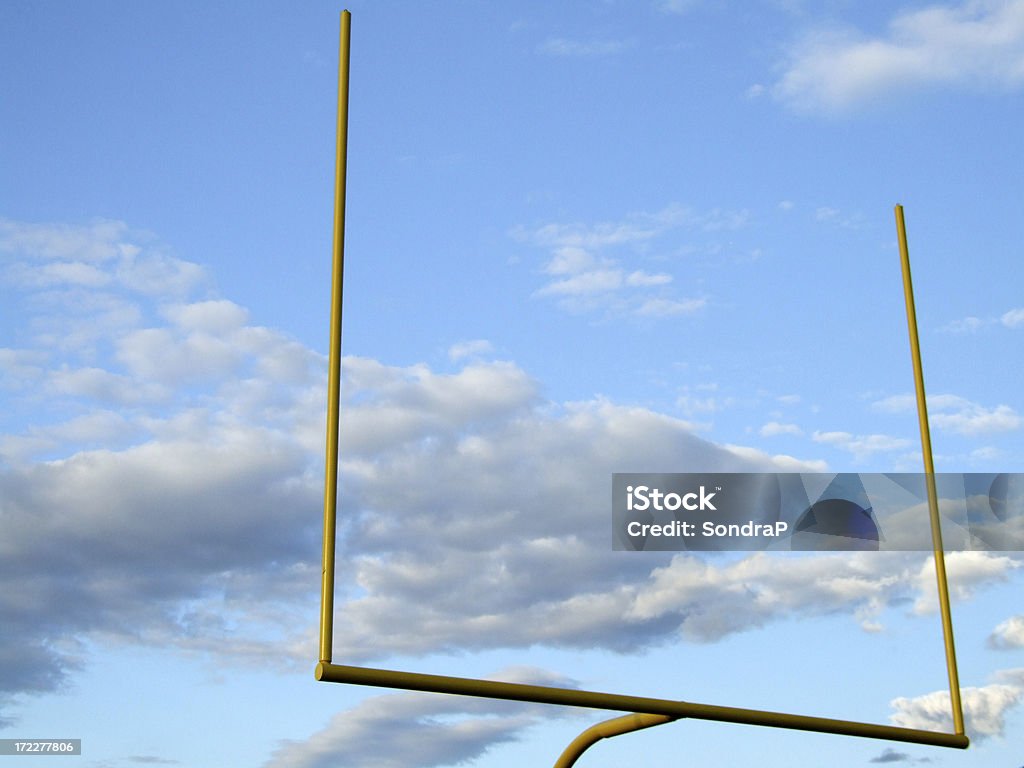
[583, 238]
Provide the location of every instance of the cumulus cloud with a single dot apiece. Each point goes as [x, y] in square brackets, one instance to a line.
[97, 242]
[474, 512]
[976, 44]
[1009, 634]
[140, 496]
[464, 487]
[966, 572]
[984, 707]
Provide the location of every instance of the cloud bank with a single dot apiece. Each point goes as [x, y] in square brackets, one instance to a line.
[160, 482]
[973, 45]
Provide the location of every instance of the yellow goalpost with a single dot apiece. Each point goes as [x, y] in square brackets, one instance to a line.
[646, 711]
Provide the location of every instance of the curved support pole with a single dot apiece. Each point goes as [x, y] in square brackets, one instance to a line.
[605, 730]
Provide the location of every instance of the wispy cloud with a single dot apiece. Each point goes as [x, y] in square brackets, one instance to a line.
[890, 756]
[835, 217]
[586, 271]
[423, 730]
[471, 348]
[567, 47]
[956, 414]
[965, 325]
[775, 428]
[861, 446]
[669, 307]
[974, 44]
[1012, 318]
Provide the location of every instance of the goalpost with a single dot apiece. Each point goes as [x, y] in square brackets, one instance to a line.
[648, 711]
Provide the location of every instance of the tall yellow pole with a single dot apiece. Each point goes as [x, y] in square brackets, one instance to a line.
[334, 354]
[929, 470]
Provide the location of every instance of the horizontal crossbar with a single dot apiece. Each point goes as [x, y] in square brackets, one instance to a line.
[542, 694]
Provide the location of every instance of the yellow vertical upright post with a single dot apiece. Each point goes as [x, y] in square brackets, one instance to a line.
[334, 354]
[929, 469]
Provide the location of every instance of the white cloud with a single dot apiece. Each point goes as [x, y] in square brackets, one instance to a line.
[774, 428]
[412, 404]
[1009, 634]
[21, 367]
[177, 497]
[216, 316]
[965, 573]
[975, 420]
[103, 253]
[965, 325]
[834, 216]
[956, 414]
[861, 446]
[781, 461]
[584, 283]
[691, 404]
[159, 274]
[61, 273]
[641, 278]
[561, 46]
[984, 708]
[569, 260]
[471, 348]
[976, 44]
[475, 513]
[586, 278]
[1014, 318]
[423, 730]
[669, 307]
[60, 243]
